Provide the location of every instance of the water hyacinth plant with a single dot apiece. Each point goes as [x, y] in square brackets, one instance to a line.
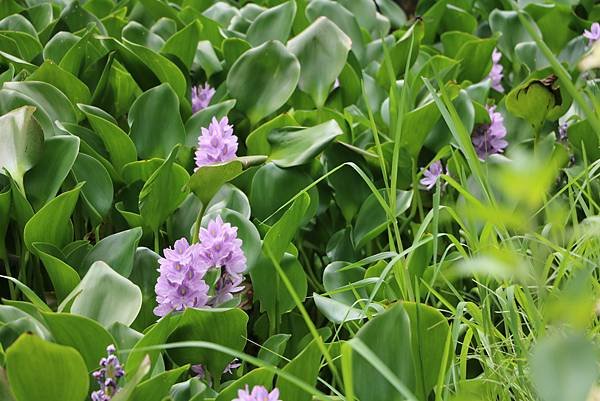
[299, 200]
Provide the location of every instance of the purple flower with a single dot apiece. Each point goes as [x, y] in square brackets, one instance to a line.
[202, 374]
[107, 376]
[201, 96]
[226, 286]
[496, 74]
[593, 35]
[259, 393]
[220, 247]
[217, 144]
[181, 284]
[431, 175]
[488, 139]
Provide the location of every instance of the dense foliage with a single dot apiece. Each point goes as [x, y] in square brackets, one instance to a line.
[299, 200]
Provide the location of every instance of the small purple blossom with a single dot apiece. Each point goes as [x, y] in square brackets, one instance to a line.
[180, 284]
[221, 247]
[496, 74]
[593, 35]
[259, 393]
[108, 375]
[217, 144]
[488, 139]
[431, 175]
[201, 96]
[203, 374]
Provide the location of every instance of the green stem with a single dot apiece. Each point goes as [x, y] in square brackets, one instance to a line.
[196, 234]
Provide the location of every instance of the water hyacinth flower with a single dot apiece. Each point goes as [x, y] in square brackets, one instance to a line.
[431, 175]
[181, 284]
[488, 139]
[202, 373]
[496, 74]
[108, 375]
[216, 144]
[259, 393]
[201, 96]
[593, 35]
[562, 131]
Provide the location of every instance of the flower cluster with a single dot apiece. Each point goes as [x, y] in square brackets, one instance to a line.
[259, 393]
[496, 74]
[201, 96]
[182, 284]
[107, 376]
[216, 144]
[593, 35]
[431, 175]
[488, 139]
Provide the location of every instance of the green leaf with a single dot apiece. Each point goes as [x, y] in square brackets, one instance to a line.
[256, 377]
[105, 296]
[369, 384]
[45, 179]
[64, 278]
[226, 327]
[429, 329]
[341, 17]
[513, 32]
[85, 335]
[144, 274]
[294, 147]
[263, 79]
[184, 43]
[22, 140]
[52, 223]
[157, 387]
[281, 234]
[207, 180]
[257, 142]
[5, 201]
[155, 122]
[98, 194]
[272, 24]
[65, 375]
[564, 367]
[67, 83]
[116, 250]
[163, 192]
[321, 49]
[121, 149]
[372, 219]
[272, 350]
[305, 366]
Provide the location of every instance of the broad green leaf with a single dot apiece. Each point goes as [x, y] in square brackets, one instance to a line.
[5, 201]
[257, 142]
[281, 234]
[98, 194]
[263, 79]
[52, 223]
[321, 49]
[157, 387]
[207, 180]
[163, 192]
[45, 179]
[184, 43]
[155, 122]
[22, 143]
[120, 147]
[564, 367]
[83, 334]
[272, 187]
[272, 24]
[139, 34]
[67, 83]
[144, 274]
[65, 375]
[294, 147]
[64, 278]
[372, 219]
[105, 296]
[407, 45]
[513, 32]
[369, 384]
[341, 17]
[305, 366]
[337, 312]
[232, 198]
[117, 250]
[225, 327]
[273, 349]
